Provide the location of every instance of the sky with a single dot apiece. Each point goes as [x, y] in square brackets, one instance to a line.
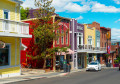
[105, 12]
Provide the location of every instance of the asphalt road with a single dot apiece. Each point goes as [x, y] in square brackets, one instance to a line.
[106, 76]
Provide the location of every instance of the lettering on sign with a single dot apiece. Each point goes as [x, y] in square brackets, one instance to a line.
[2, 44]
[60, 23]
[80, 27]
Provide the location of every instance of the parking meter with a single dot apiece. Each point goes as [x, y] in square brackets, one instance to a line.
[65, 65]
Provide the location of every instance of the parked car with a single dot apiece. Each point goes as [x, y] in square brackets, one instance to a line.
[94, 66]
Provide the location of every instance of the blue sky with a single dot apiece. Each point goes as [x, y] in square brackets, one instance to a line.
[105, 12]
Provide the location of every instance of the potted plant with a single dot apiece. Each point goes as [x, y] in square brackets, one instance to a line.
[116, 63]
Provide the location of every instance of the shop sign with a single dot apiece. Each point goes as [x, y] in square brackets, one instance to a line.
[80, 27]
[2, 44]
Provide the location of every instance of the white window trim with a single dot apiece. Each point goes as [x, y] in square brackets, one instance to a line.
[6, 19]
[8, 13]
[9, 58]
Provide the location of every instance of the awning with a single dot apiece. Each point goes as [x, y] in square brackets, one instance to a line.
[69, 51]
[23, 47]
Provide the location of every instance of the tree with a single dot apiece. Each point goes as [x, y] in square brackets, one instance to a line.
[44, 32]
[24, 13]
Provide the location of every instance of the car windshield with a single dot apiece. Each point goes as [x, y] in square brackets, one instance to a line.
[93, 63]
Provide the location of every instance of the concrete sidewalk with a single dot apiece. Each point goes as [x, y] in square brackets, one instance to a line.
[31, 76]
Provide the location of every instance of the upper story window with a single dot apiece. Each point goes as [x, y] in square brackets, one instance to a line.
[62, 38]
[58, 37]
[6, 14]
[89, 40]
[66, 37]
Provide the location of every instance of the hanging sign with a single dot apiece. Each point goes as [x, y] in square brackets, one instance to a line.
[2, 44]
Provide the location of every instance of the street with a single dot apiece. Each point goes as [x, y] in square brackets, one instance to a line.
[106, 76]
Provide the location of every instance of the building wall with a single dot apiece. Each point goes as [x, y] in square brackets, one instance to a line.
[97, 36]
[103, 38]
[89, 32]
[74, 30]
[14, 66]
[11, 6]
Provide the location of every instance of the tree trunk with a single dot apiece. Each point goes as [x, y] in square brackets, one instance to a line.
[44, 66]
[54, 62]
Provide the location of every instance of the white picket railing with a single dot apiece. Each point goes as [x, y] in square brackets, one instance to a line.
[14, 27]
[90, 47]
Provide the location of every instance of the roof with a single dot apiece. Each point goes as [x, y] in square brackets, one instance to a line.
[108, 29]
[17, 1]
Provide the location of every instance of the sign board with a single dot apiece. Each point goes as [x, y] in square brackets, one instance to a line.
[80, 27]
[108, 35]
[2, 44]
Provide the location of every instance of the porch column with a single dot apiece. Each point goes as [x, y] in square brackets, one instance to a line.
[76, 60]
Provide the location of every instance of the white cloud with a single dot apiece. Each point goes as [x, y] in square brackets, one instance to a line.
[81, 6]
[79, 18]
[117, 20]
[115, 33]
[117, 1]
[70, 6]
[28, 3]
[97, 7]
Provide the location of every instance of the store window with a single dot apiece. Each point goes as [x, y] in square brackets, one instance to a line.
[4, 56]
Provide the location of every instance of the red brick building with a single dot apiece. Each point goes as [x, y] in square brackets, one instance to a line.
[106, 42]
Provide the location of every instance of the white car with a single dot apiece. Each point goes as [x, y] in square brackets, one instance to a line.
[94, 66]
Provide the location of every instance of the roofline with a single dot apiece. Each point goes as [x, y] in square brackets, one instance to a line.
[17, 1]
[63, 17]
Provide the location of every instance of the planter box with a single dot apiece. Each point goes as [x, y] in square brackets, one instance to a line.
[116, 65]
[47, 70]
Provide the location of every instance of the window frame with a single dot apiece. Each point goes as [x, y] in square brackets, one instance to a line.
[62, 32]
[6, 10]
[9, 57]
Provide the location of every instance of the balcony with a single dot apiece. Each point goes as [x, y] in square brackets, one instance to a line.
[91, 49]
[14, 28]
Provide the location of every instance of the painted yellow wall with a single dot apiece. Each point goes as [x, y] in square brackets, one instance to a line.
[10, 70]
[89, 32]
[15, 44]
[5, 4]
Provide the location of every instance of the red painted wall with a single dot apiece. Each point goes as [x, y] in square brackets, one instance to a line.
[28, 42]
[65, 28]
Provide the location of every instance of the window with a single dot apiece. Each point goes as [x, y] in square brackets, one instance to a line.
[4, 56]
[6, 14]
[58, 37]
[89, 40]
[62, 38]
[66, 37]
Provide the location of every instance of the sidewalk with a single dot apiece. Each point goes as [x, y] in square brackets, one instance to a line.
[38, 75]
[35, 75]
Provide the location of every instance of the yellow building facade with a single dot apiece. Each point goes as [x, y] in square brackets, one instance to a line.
[89, 35]
[11, 32]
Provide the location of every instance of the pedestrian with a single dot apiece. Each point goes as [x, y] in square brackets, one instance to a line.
[111, 62]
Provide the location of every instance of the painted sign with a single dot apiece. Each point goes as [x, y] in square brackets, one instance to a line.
[80, 27]
[2, 44]
[60, 23]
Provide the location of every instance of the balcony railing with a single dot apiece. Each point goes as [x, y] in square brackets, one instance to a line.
[9, 26]
[91, 48]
